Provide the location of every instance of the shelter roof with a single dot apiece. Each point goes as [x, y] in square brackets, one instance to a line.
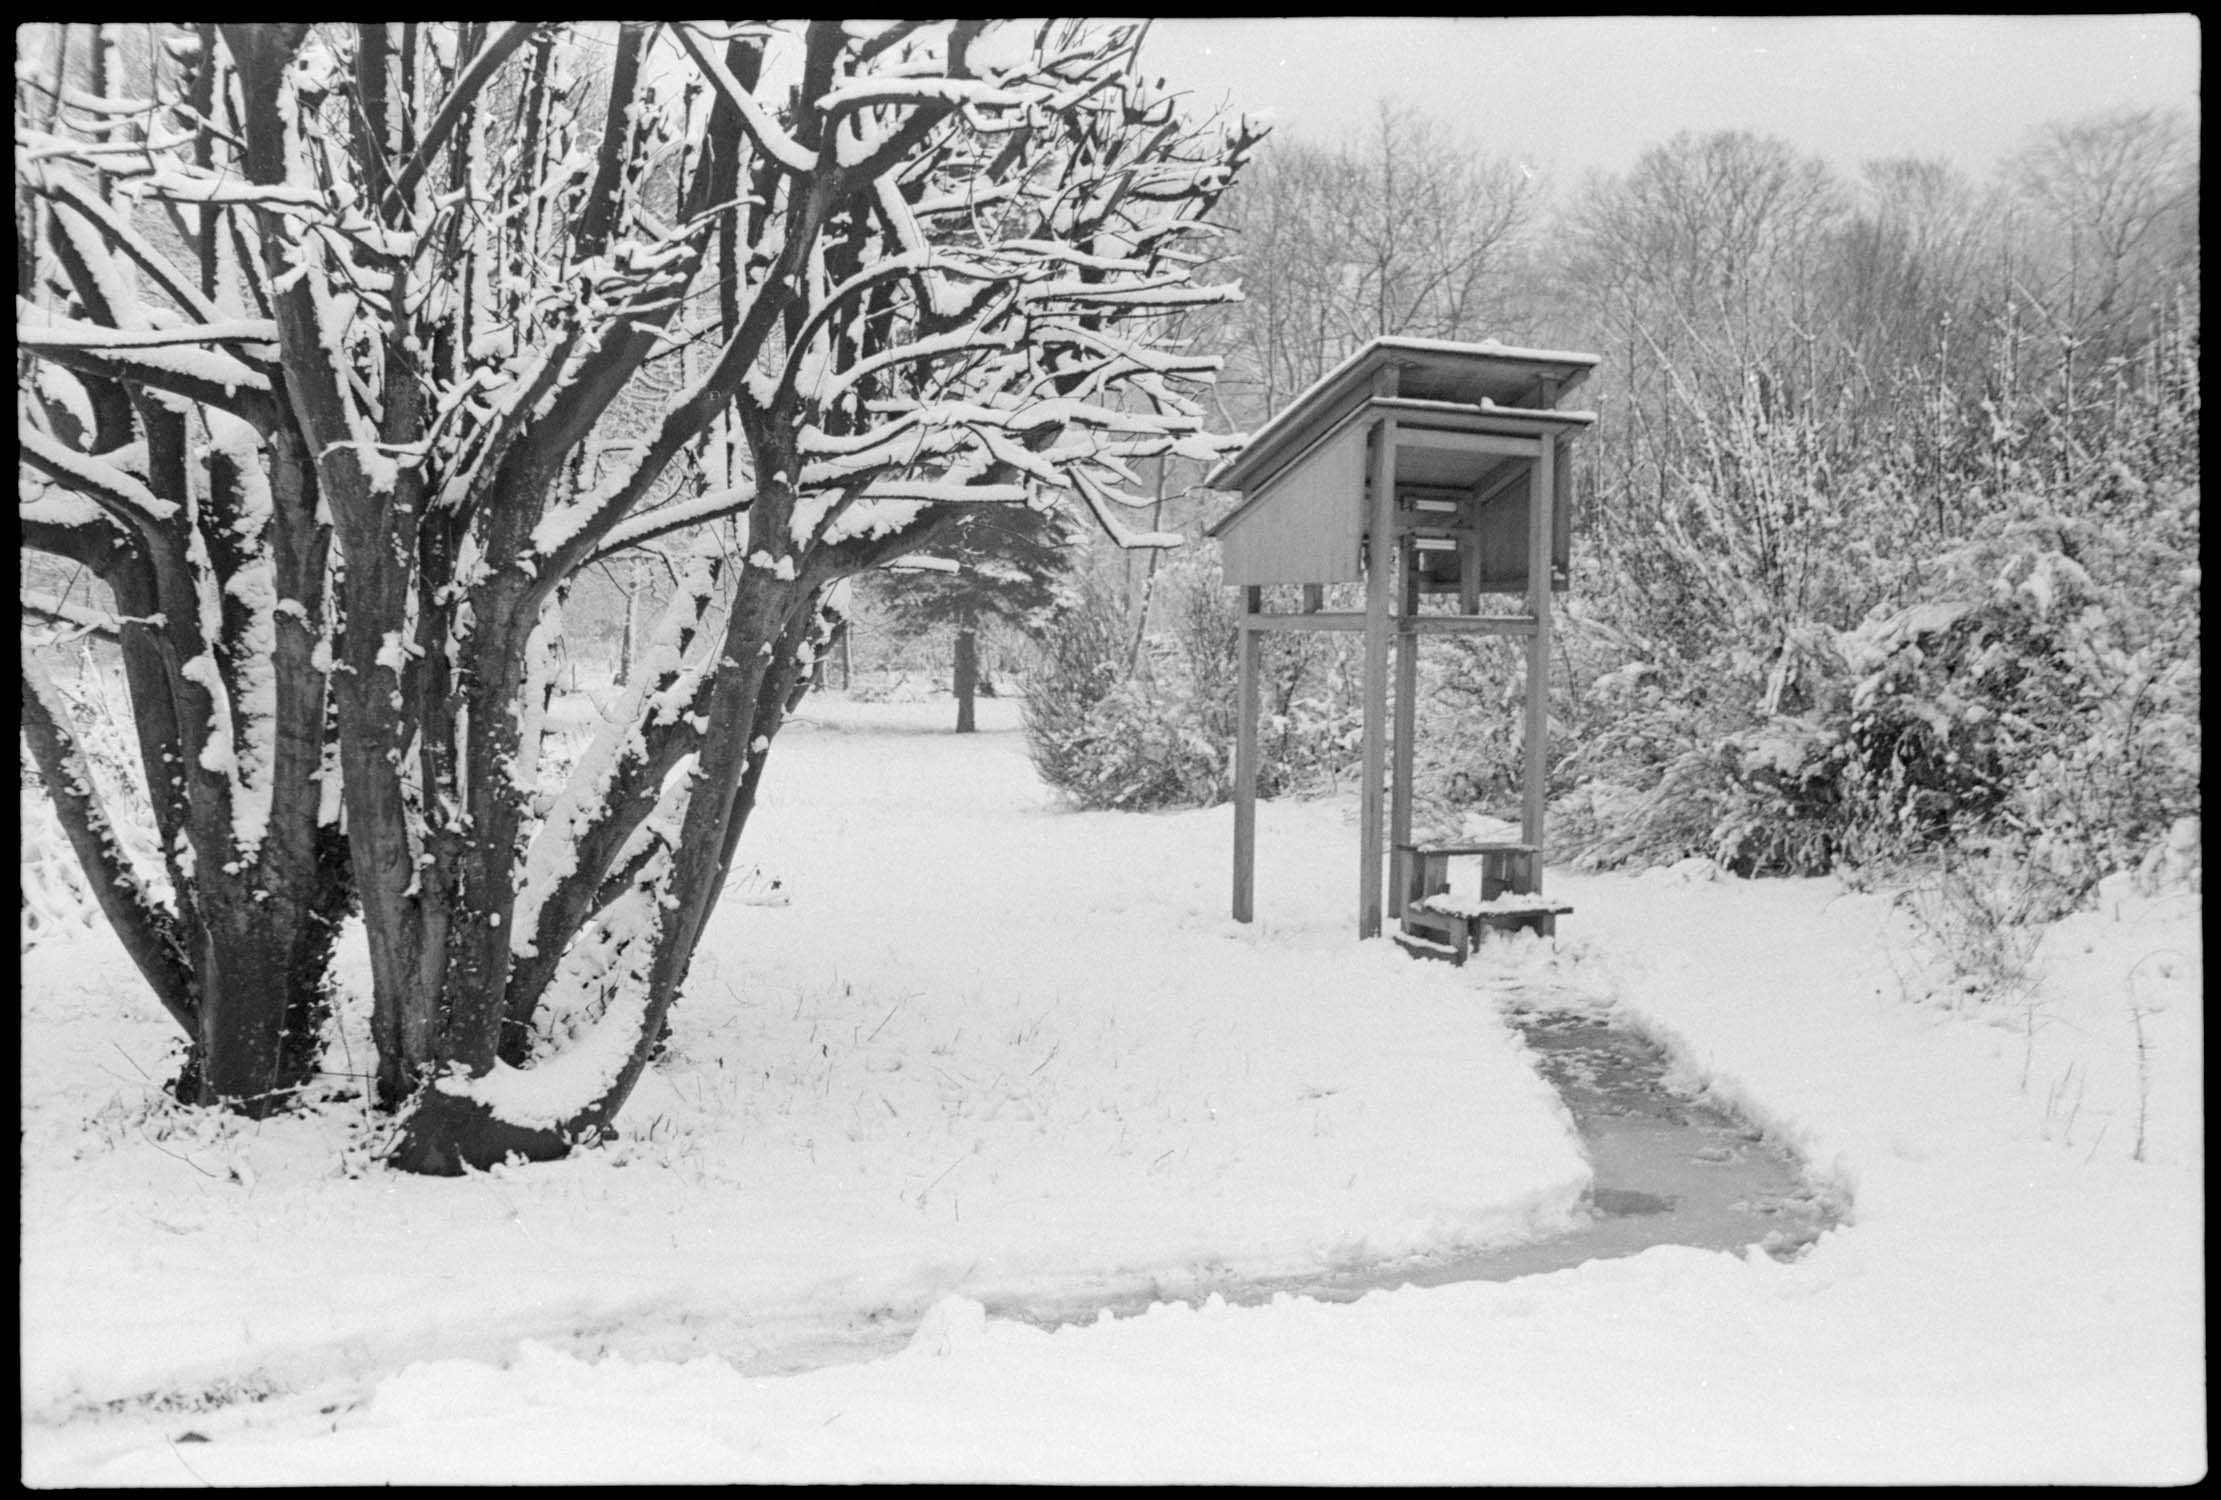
[1477, 375]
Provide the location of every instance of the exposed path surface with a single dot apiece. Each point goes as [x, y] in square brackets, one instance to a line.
[1674, 1166]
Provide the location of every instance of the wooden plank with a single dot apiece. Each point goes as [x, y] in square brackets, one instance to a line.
[1343, 619]
[1353, 418]
[1467, 851]
[1504, 544]
[1245, 766]
[1540, 533]
[1380, 576]
[1527, 420]
[1453, 440]
[1438, 908]
[1305, 526]
[1456, 933]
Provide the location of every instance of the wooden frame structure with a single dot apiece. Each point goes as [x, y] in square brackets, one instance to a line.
[1419, 468]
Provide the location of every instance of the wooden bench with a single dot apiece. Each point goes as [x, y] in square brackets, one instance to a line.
[1441, 925]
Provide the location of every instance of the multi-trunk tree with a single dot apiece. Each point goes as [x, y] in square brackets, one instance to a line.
[902, 270]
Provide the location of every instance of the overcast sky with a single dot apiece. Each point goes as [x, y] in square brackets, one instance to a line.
[1571, 93]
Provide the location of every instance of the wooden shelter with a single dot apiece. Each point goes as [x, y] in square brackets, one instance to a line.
[1422, 469]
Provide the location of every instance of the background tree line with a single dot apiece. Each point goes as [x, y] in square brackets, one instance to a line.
[1887, 535]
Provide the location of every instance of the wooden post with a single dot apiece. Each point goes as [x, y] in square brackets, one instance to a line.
[1541, 528]
[1245, 760]
[1380, 577]
[1407, 718]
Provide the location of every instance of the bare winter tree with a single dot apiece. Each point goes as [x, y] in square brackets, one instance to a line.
[908, 268]
[2114, 203]
[1401, 230]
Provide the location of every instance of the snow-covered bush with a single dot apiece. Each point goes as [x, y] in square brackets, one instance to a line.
[1983, 641]
[1109, 736]
[2061, 710]
[1112, 726]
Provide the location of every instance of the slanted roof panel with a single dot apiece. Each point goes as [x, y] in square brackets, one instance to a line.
[1427, 370]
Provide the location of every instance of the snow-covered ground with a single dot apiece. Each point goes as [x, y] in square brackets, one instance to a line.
[991, 1053]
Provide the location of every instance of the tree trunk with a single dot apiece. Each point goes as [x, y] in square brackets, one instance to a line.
[629, 642]
[446, 1133]
[967, 676]
[262, 1006]
[245, 971]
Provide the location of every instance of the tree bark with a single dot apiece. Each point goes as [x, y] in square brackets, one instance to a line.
[262, 1003]
[967, 676]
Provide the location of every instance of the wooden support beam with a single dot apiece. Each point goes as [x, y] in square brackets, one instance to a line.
[1245, 764]
[1495, 484]
[1440, 415]
[1540, 531]
[1314, 596]
[1380, 578]
[1444, 439]
[1350, 620]
[1407, 688]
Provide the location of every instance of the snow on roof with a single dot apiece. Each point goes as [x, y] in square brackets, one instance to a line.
[1429, 370]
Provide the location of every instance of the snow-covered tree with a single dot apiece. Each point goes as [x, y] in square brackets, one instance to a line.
[158, 455]
[907, 269]
[998, 565]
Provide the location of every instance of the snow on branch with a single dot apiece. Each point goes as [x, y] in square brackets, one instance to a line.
[876, 91]
[77, 619]
[1099, 501]
[196, 187]
[947, 490]
[761, 126]
[48, 330]
[99, 481]
[979, 334]
[469, 83]
[64, 187]
[646, 526]
[172, 360]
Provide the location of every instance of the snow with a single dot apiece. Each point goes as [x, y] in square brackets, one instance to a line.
[762, 127]
[103, 480]
[995, 1053]
[708, 506]
[65, 393]
[51, 331]
[1462, 904]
